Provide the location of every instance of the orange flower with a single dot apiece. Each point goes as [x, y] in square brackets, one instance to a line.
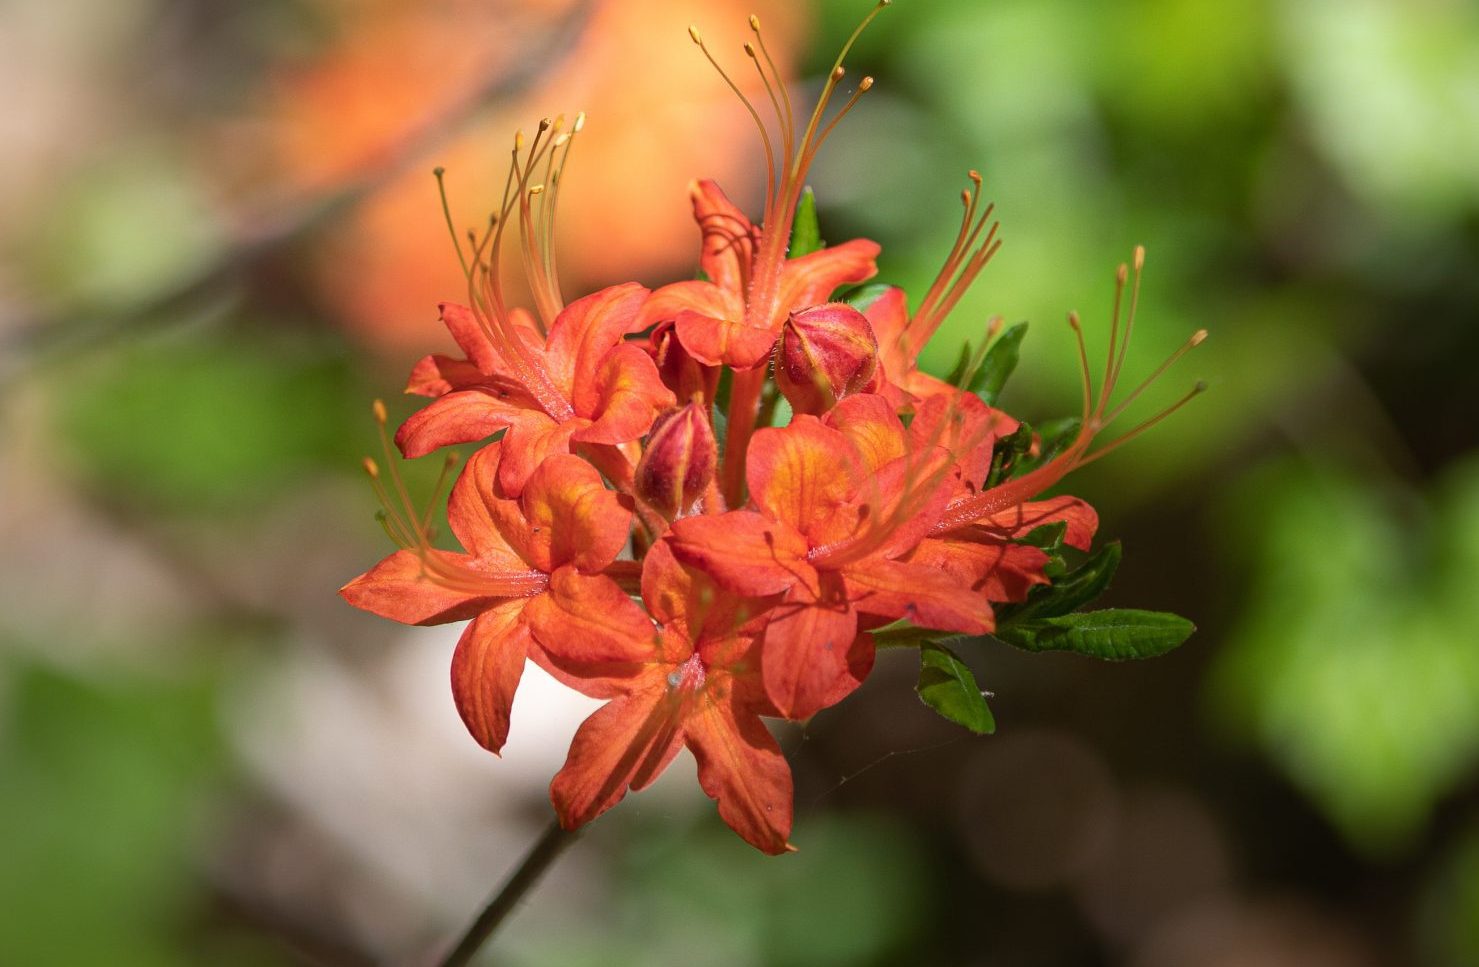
[564, 522]
[721, 320]
[582, 384]
[692, 679]
[837, 501]
[842, 520]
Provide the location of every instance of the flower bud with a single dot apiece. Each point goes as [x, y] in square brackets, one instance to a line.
[680, 372]
[679, 462]
[825, 353]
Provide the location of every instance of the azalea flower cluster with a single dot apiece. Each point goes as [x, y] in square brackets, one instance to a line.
[701, 503]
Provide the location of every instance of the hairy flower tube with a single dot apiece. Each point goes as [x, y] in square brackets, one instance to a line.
[709, 503]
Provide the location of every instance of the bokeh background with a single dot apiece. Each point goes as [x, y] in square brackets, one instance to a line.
[221, 239]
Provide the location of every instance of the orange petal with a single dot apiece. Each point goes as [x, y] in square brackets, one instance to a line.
[568, 517]
[692, 295]
[465, 416]
[588, 328]
[438, 375]
[996, 570]
[625, 743]
[811, 279]
[688, 599]
[728, 340]
[742, 551]
[873, 427]
[740, 765]
[596, 638]
[622, 397]
[808, 661]
[1017, 521]
[485, 671]
[398, 589]
[476, 347]
[925, 596]
[729, 238]
[889, 316]
[473, 511]
[529, 441]
[801, 473]
[966, 426]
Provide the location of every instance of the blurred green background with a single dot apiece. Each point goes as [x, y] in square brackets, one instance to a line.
[219, 243]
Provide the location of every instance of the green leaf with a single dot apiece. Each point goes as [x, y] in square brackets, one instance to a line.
[1074, 590]
[947, 686]
[863, 297]
[1046, 537]
[1000, 360]
[1114, 635]
[806, 233]
[1056, 435]
[903, 634]
[1007, 452]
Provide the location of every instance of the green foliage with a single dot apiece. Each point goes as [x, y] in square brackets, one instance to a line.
[104, 784]
[999, 364]
[1118, 634]
[1071, 591]
[947, 686]
[196, 425]
[1007, 454]
[806, 233]
[1352, 665]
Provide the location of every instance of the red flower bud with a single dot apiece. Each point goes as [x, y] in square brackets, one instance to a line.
[680, 372]
[679, 462]
[826, 353]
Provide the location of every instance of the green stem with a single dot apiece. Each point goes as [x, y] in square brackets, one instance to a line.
[539, 858]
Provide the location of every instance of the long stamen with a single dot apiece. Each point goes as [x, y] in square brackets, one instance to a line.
[1139, 262]
[770, 166]
[412, 532]
[1120, 275]
[439, 173]
[775, 105]
[1096, 415]
[1129, 435]
[959, 270]
[1197, 338]
[1083, 362]
[399, 485]
[864, 86]
[786, 117]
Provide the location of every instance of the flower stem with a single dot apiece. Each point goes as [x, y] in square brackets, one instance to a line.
[540, 857]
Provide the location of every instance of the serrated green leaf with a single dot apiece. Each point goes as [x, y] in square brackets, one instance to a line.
[947, 686]
[806, 233]
[1074, 590]
[1001, 360]
[1113, 635]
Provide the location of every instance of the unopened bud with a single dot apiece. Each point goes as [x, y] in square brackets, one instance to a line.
[826, 353]
[679, 462]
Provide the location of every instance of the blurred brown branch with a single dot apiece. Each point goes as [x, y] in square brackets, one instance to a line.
[34, 341]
